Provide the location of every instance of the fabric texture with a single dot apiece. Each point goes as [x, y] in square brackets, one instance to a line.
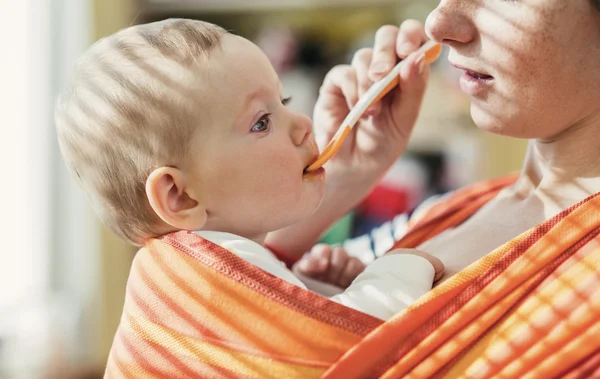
[529, 309]
[383, 289]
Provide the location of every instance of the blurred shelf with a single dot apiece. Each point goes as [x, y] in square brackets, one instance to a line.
[196, 6]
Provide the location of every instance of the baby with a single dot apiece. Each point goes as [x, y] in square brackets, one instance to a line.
[180, 125]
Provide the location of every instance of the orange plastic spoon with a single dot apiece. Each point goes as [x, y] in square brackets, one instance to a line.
[432, 51]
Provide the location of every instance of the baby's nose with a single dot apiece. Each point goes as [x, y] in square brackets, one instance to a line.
[302, 129]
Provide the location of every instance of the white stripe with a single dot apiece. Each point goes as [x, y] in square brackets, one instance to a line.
[382, 238]
[360, 247]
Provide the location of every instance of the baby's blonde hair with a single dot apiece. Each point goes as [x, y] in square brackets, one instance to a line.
[128, 110]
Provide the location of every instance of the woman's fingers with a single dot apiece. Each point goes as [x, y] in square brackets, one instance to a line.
[341, 82]
[410, 37]
[384, 52]
[361, 64]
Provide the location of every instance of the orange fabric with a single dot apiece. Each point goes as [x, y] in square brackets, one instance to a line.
[447, 333]
[529, 309]
[193, 309]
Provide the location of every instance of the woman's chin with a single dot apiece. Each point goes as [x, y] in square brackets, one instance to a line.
[509, 125]
[489, 122]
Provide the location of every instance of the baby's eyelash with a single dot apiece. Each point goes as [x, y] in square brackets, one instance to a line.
[286, 100]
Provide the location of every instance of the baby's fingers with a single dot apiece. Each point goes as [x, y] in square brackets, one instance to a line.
[353, 268]
[316, 263]
[312, 266]
[336, 265]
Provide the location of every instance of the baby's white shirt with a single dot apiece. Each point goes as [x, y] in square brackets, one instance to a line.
[387, 285]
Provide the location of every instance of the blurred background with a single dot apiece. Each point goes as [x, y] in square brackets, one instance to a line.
[62, 275]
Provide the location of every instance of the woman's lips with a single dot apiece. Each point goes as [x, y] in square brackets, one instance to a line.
[473, 82]
[479, 76]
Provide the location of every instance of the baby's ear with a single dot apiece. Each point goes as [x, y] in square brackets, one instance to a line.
[173, 201]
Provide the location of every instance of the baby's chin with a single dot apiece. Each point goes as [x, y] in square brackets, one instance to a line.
[307, 210]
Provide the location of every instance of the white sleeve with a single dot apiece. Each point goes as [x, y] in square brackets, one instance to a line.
[252, 252]
[270, 264]
[388, 285]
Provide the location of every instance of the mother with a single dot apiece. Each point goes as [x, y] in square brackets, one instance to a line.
[525, 248]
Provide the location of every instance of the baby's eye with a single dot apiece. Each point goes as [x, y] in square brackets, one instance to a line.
[263, 125]
[286, 100]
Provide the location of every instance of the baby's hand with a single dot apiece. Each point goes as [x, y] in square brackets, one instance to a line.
[438, 266]
[330, 265]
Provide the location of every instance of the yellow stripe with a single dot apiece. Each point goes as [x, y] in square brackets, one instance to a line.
[573, 352]
[469, 333]
[499, 338]
[469, 273]
[239, 363]
[232, 309]
[129, 367]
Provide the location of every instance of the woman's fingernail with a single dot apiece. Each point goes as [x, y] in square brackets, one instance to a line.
[420, 62]
[380, 68]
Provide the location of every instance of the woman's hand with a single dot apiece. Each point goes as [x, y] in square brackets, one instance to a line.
[380, 137]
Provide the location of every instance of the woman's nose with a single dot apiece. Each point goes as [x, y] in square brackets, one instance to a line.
[301, 129]
[450, 23]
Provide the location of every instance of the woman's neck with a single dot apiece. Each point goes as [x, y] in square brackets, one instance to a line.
[566, 166]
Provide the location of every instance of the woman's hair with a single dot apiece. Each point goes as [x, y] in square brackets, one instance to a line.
[596, 3]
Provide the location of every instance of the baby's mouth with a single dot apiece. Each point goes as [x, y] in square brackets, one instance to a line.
[311, 161]
[305, 172]
[313, 175]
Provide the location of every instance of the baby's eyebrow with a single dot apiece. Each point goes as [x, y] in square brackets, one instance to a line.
[253, 95]
[262, 91]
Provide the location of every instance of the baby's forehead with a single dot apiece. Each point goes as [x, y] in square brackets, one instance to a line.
[239, 61]
[230, 72]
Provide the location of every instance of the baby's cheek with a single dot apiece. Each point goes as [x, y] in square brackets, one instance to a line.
[278, 173]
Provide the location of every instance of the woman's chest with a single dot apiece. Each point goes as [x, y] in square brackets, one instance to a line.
[495, 224]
